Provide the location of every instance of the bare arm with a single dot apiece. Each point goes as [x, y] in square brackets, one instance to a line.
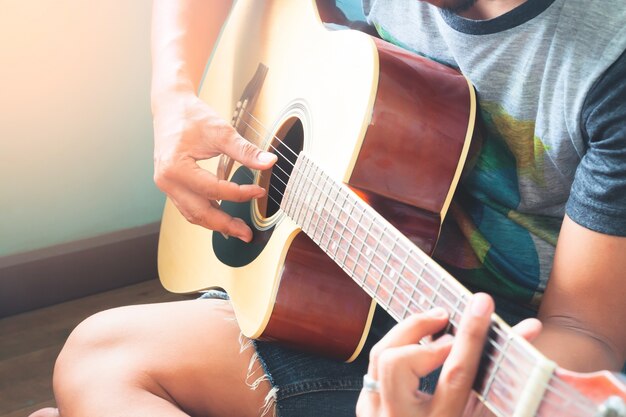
[584, 307]
[186, 130]
[184, 33]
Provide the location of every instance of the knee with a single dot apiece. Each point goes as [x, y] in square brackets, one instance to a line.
[100, 332]
[97, 345]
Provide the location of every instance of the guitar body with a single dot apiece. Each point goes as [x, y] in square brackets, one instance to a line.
[391, 125]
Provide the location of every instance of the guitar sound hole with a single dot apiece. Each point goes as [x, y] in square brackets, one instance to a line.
[286, 145]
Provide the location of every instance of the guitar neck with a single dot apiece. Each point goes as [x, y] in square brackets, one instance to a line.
[404, 280]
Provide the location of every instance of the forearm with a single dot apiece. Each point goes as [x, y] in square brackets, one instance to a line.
[183, 35]
[583, 308]
[576, 349]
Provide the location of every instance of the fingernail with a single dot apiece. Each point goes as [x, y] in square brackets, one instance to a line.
[481, 305]
[265, 157]
[437, 312]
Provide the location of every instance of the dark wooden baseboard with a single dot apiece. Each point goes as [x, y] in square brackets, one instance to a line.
[64, 272]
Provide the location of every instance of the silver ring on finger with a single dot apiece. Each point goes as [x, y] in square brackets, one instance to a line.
[370, 384]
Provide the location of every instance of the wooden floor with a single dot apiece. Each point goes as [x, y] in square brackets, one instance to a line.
[30, 342]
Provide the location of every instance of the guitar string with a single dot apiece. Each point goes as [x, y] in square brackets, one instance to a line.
[455, 310]
[496, 329]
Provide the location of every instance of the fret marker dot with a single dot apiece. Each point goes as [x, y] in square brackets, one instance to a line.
[333, 245]
[422, 300]
[368, 252]
[392, 273]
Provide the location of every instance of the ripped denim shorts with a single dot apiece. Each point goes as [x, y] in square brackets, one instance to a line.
[305, 385]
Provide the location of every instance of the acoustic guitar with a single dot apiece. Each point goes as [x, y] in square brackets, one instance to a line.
[371, 141]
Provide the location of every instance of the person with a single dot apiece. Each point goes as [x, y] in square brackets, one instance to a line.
[539, 222]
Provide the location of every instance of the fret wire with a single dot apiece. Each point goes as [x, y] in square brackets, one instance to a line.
[436, 290]
[387, 265]
[288, 190]
[457, 307]
[391, 294]
[319, 205]
[350, 244]
[303, 189]
[376, 250]
[345, 225]
[420, 279]
[326, 215]
[368, 273]
[412, 286]
[309, 198]
[358, 251]
[496, 366]
[321, 209]
[368, 250]
[344, 200]
[313, 198]
[364, 226]
[378, 239]
[391, 275]
[328, 205]
[334, 227]
[419, 303]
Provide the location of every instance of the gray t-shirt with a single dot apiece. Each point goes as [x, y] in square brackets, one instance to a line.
[550, 82]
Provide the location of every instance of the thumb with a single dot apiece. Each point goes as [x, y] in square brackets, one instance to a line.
[248, 154]
[529, 329]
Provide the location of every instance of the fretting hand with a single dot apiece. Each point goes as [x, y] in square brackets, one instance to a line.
[397, 363]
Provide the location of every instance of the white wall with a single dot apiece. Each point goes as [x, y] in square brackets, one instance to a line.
[75, 124]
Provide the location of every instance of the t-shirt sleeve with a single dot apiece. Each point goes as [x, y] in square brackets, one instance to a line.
[598, 197]
[367, 6]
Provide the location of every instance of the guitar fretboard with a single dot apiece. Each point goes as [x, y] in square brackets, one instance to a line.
[402, 278]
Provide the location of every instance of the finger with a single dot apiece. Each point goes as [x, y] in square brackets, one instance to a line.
[247, 153]
[419, 360]
[207, 185]
[459, 370]
[46, 412]
[207, 213]
[368, 404]
[409, 331]
[400, 370]
[529, 329]
[188, 174]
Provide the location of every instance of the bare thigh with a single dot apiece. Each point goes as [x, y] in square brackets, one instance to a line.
[170, 357]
